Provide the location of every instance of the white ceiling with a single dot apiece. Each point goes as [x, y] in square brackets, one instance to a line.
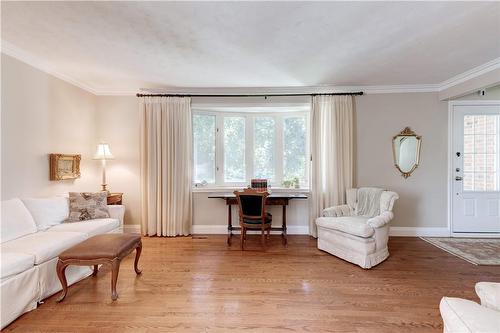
[124, 46]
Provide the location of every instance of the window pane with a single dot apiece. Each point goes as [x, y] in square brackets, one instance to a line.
[234, 149]
[204, 148]
[481, 142]
[264, 138]
[294, 148]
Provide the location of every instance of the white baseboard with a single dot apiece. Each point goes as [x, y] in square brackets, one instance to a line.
[219, 229]
[132, 229]
[222, 230]
[419, 231]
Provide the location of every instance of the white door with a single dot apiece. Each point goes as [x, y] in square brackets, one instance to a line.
[476, 168]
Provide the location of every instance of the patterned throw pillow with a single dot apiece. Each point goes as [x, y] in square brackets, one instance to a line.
[87, 206]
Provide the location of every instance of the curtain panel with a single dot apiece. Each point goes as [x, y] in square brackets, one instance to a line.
[332, 153]
[166, 166]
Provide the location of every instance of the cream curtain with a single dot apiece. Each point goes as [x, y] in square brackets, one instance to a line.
[166, 166]
[332, 153]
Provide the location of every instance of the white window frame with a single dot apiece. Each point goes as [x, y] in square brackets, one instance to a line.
[249, 144]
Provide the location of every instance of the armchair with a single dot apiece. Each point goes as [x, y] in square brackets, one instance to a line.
[461, 315]
[358, 231]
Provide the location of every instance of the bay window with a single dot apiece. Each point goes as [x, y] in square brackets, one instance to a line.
[230, 148]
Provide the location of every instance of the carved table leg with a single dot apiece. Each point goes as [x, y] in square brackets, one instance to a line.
[61, 274]
[115, 267]
[96, 268]
[138, 251]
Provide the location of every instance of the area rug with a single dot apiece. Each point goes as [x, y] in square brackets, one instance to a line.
[478, 251]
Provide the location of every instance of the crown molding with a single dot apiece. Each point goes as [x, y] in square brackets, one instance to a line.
[470, 74]
[19, 54]
[15, 52]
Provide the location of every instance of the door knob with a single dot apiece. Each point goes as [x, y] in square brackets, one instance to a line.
[458, 178]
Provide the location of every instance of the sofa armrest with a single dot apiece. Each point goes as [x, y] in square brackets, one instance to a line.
[337, 211]
[117, 212]
[380, 220]
[489, 293]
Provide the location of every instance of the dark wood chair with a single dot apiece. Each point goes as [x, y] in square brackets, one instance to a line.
[253, 214]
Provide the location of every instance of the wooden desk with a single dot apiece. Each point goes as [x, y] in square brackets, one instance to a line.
[275, 199]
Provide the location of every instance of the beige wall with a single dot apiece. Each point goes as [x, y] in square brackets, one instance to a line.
[379, 117]
[118, 124]
[42, 114]
[423, 196]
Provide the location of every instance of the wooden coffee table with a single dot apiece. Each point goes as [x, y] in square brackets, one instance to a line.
[102, 249]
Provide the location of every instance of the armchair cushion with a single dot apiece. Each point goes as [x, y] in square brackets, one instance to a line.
[354, 225]
[337, 211]
[489, 293]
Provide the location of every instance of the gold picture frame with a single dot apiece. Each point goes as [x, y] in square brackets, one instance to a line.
[64, 166]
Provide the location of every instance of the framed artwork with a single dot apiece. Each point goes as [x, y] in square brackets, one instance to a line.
[64, 166]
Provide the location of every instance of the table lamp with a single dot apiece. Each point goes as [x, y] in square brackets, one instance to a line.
[103, 153]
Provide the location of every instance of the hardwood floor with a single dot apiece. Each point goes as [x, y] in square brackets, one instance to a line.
[201, 285]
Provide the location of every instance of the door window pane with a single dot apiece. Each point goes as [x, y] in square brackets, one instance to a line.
[204, 148]
[264, 138]
[481, 139]
[234, 149]
[294, 148]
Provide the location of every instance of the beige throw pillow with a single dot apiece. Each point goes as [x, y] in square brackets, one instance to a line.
[87, 206]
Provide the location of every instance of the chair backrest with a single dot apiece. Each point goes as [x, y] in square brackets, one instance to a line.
[252, 203]
[387, 199]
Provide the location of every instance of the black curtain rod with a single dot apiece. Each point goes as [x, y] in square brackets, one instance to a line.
[358, 93]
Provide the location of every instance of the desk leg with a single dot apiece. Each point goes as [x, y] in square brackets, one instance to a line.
[283, 235]
[229, 225]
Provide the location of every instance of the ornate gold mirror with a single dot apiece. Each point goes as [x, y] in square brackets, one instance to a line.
[406, 151]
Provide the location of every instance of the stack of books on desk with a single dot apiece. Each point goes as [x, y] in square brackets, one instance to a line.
[259, 184]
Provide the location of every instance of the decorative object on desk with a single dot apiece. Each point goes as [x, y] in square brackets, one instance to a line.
[115, 198]
[292, 183]
[406, 151]
[87, 206]
[64, 166]
[259, 184]
[103, 153]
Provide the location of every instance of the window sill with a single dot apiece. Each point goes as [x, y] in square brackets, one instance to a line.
[234, 188]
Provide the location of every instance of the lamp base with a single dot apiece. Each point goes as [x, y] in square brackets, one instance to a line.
[104, 188]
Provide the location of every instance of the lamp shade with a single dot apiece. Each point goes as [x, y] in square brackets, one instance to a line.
[103, 152]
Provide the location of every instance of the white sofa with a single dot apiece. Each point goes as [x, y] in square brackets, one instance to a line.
[461, 315]
[361, 240]
[32, 236]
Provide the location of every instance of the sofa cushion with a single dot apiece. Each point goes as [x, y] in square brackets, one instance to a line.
[90, 228]
[16, 220]
[461, 315]
[47, 211]
[44, 245]
[87, 206]
[353, 225]
[14, 263]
